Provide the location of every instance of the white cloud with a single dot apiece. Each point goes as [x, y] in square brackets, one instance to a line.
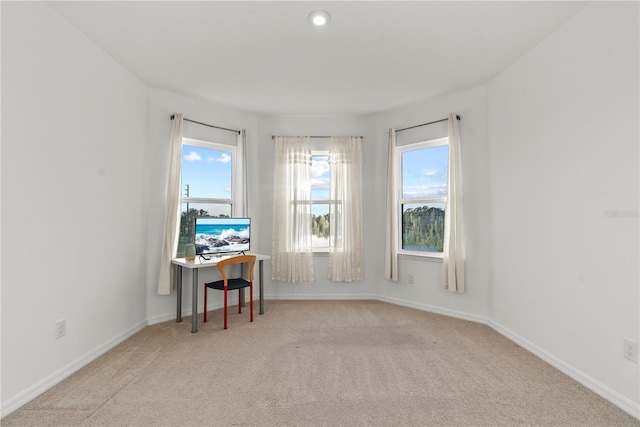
[192, 157]
[224, 158]
[320, 183]
[432, 172]
[425, 191]
[429, 173]
[319, 167]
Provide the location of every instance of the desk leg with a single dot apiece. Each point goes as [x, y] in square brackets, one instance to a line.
[261, 286]
[178, 278]
[194, 308]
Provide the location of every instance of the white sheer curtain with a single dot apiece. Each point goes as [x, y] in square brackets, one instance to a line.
[172, 208]
[346, 261]
[240, 191]
[239, 180]
[453, 262]
[391, 252]
[291, 251]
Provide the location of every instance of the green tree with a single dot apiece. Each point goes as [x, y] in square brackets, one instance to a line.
[320, 225]
[423, 228]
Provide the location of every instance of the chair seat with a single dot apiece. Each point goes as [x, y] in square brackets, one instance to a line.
[233, 284]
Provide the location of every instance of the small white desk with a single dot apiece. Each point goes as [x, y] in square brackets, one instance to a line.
[199, 263]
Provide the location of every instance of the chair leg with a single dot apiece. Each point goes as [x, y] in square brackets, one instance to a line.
[205, 304]
[239, 301]
[225, 308]
[251, 301]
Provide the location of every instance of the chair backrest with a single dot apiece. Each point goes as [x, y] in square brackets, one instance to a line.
[240, 259]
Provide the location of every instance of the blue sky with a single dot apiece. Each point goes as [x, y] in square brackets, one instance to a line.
[424, 172]
[320, 179]
[204, 180]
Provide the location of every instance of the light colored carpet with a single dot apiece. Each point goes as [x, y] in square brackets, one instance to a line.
[320, 363]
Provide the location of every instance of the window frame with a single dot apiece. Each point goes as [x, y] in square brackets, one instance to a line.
[209, 145]
[399, 150]
[317, 202]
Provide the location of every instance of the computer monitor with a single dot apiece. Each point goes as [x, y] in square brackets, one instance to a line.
[222, 235]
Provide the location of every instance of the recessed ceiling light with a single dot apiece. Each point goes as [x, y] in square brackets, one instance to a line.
[319, 18]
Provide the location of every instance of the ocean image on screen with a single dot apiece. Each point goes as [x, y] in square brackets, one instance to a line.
[220, 235]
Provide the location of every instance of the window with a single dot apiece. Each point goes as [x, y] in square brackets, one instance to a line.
[320, 200]
[206, 185]
[321, 190]
[422, 182]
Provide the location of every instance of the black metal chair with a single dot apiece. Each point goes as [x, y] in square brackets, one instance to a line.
[227, 284]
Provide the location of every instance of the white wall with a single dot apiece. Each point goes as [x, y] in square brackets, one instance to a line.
[563, 140]
[73, 145]
[427, 291]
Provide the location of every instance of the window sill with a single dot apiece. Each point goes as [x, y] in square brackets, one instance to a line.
[429, 258]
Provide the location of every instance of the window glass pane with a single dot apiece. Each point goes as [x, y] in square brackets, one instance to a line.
[190, 211]
[320, 191]
[423, 227]
[320, 226]
[320, 177]
[206, 172]
[424, 172]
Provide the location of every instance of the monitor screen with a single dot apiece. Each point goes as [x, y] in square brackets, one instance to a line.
[222, 235]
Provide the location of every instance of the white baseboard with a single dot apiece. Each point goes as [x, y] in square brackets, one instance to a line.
[48, 382]
[433, 309]
[597, 387]
[319, 297]
[161, 318]
[186, 312]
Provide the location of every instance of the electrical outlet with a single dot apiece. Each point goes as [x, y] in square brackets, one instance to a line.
[411, 279]
[631, 350]
[61, 328]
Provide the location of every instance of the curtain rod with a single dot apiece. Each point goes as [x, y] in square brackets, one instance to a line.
[205, 124]
[425, 124]
[315, 136]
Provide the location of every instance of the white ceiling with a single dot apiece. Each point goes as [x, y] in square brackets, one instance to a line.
[265, 57]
